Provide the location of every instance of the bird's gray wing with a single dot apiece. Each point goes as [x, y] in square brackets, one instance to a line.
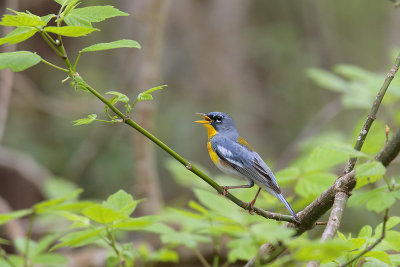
[246, 162]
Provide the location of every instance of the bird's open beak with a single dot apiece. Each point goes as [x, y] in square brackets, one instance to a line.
[207, 120]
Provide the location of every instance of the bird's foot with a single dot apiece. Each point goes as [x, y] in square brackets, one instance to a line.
[225, 190]
[251, 207]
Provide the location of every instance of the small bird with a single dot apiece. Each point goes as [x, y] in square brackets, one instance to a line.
[233, 155]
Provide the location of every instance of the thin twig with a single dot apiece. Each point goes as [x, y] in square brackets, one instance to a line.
[28, 239]
[201, 258]
[369, 248]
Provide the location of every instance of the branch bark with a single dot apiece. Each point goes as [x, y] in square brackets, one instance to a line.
[344, 185]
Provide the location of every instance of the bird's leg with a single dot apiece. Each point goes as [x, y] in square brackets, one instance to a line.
[251, 211]
[227, 187]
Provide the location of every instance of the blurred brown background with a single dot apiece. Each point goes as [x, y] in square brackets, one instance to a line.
[245, 58]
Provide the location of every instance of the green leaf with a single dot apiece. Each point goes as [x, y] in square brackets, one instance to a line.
[112, 45]
[101, 214]
[392, 222]
[182, 238]
[287, 176]
[63, 2]
[313, 184]
[327, 80]
[380, 255]
[377, 199]
[194, 205]
[22, 19]
[18, 35]
[365, 231]
[50, 260]
[87, 15]
[322, 158]
[121, 202]
[80, 238]
[20, 245]
[44, 243]
[134, 224]
[91, 118]
[119, 97]
[369, 172]
[79, 221]
[6, 217]
[52, 204]
[241, 249]
[70, 31]
[306, 250]
[4, 241]
[48, 17]
[146, 94]
[18, 61]
[165, 255]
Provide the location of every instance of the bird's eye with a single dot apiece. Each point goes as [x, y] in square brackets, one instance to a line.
[218, 118]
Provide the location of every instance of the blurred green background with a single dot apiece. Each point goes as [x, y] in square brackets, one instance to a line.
[249, 59]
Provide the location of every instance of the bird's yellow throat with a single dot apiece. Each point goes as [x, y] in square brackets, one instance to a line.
[210, 130]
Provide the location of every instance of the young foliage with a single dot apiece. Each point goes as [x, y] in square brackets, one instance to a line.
[18, 61]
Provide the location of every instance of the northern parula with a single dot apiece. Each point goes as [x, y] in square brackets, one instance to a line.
[233, 155]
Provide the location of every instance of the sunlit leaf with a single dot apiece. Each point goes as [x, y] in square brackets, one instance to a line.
[70, 31]
[327, 80]
[80, 238]
[6, 217]
[18, 35]
[87, 15]
[112, 45]
[22, 19]
[101, 214]
[369, 172]
[313, 184]
[91, 118]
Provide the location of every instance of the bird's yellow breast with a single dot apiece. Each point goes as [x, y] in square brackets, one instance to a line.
[213, 155]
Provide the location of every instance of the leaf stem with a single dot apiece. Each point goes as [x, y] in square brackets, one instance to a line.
[51, 44]
[54, 66]
[77, 59]
[201, 257]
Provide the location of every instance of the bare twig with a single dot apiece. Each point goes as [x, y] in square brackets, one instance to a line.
[370, 247]
[336, 216]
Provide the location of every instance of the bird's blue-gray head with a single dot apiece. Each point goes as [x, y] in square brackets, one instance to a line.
[221, 122]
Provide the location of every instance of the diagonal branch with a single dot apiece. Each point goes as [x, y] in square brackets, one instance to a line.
[342, 186]
[333, 226]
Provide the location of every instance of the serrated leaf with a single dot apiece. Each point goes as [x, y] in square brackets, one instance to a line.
[70, 31]
[6, 217]
[87, 15]
[91, 118]
[313, 184]
[112, 45]
[327, 80]
[80, 238]
[81, 220]
[18, 35]
[391, 222]
[101, 214]
[369, 172]
[22, 19]
[18, 61]
[119, 97]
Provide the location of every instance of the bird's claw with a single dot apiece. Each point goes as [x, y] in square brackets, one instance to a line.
[251, 208]
[225, 190]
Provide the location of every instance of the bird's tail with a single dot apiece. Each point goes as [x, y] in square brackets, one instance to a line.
[287, 205]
